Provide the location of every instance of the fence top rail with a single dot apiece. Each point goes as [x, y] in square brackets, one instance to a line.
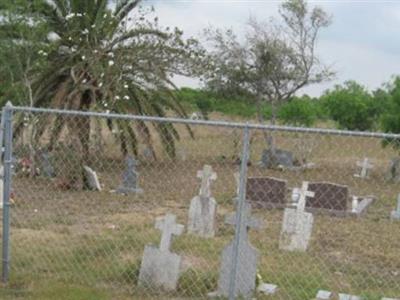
[205, 122]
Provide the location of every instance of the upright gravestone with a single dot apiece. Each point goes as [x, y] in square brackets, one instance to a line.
[203, 207]
[92, 179]
[365, 167]
[130, 178]
[47, 167]
[396, 213]
[329, 198]
[297, 224]
[246, 262]
[160, 267]
[266, 192]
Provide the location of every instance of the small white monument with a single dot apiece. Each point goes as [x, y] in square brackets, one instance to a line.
[395, 214]
[365, 167]
[203, 207]
[160, 267]
[348, 297]
[297, 224]
[92, 179]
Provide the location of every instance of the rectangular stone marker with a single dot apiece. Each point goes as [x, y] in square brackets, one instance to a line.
[396, 213]
[160, 267]
[266, 192]
[365, 166]
[246, 267]
[348, 297]
[202, 211]
[130, 178]
[92, 178]
[329, 197]
[297, 224]
[324, 295]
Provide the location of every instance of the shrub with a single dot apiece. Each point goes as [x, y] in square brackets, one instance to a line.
[298, 112]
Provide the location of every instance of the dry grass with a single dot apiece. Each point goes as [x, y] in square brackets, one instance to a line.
[88, 245]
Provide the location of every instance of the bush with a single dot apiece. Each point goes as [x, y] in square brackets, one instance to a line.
[351, 106]
[390, 120]
[298, 112]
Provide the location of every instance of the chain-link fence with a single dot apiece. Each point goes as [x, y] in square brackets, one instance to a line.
[89, 193]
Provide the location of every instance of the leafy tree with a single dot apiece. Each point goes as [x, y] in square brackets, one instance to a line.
[351, 106]
[391, 118]
[299, 111]
[106, 56]
[275, 60]
[103, 56]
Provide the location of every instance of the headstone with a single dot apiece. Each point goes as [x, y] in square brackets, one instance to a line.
[246, 268]
[266, 192]
[203, 207]
[393, 173]
[362, 205]
[282, 157]
[297, 224]
[329, 197]
[365, 166]
[236, 175]
[130, 178]
[92, 179]
[348, 297]
[47, 168]
[396, 213]
[160, 267]
[324, 295]
[267, 288]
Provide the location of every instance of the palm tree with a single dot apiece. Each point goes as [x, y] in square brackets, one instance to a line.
[105, 56]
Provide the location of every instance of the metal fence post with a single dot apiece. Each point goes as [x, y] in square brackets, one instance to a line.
[7, 142]
[240, 205]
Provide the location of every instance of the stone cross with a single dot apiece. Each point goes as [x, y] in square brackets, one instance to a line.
[206, 175]
[246, 260]
[396, 213]
[303, 194]
[365, 166]
[168, 227]
[130, 177]
[246, 221]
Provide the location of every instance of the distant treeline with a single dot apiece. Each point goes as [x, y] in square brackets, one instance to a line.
[350, 106]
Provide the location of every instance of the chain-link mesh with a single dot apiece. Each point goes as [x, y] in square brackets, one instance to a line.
[89, 193]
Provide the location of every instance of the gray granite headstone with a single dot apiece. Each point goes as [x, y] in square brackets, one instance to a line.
[297, 224]
[329, 197]
[282, 157]
[365, 167]
[203, 207]
[130, 178]
[160, 267]
[266, 192]
[396, 213]
[246, 272]
[93, 180]
[47, 167]
[393, 172]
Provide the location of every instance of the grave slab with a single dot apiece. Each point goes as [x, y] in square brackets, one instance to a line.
[266, 192]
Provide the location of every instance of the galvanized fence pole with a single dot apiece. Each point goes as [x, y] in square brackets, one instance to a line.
[240, 206]
[8, 136]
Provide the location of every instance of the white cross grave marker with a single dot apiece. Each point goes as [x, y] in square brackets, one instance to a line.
[297, 224]
[365, 166]
[202, 210]
[206, 175]
[160, 267]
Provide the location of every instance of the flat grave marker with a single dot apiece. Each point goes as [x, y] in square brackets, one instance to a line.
[329, 198]
[266, 192]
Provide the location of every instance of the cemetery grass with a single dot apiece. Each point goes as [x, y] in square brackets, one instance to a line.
[88, 245]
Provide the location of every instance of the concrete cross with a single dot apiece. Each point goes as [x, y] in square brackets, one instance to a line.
[365, 166]
[303, 194]
[206, 175]
[246, 221]
[168, 227]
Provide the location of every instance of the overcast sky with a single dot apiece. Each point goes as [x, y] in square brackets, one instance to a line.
[363, 42]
